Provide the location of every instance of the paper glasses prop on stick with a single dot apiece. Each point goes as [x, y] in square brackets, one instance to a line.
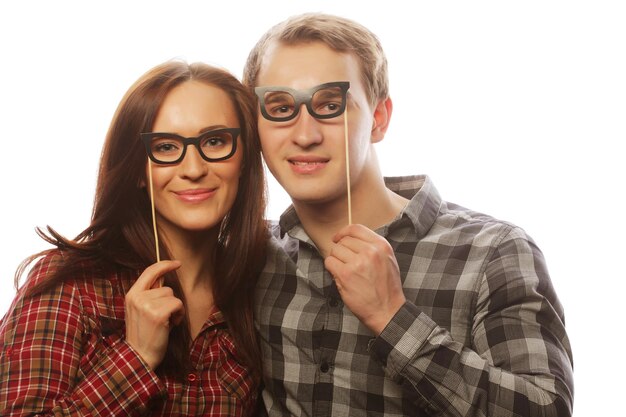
[324, 101]
[170, 148]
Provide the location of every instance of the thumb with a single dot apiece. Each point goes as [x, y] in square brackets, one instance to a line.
[152, 273]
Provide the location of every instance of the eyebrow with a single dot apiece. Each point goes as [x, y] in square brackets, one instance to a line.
[328, 93]
[273, 96]
[210, 128]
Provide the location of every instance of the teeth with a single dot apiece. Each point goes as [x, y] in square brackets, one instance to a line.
[304, 163]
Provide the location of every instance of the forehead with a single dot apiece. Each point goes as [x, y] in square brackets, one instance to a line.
[194, 105]
[306, 65]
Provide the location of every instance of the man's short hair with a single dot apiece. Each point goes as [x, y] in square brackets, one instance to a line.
[338, 33]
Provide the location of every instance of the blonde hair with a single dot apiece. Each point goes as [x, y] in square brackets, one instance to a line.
[338, 33]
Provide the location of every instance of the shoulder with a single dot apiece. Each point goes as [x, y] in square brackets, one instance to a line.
[472, 225]
[464, 234]
[37, 312]
[486, 228]
[92, 289]
[41, 279]
[43, 268]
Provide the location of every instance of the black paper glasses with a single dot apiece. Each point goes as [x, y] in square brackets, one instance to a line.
[325, 101]
[170, 148]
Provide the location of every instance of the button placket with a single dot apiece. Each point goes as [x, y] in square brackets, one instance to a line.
[334, 302]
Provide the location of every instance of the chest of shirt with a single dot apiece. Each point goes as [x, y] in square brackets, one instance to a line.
[441, 274]
[215, 381]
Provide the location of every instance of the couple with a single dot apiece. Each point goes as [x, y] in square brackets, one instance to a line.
[371, 296]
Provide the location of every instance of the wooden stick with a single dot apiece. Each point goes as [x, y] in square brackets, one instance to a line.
[154, 227]
[345, 125]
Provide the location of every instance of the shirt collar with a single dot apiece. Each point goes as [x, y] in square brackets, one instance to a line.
[421, 211]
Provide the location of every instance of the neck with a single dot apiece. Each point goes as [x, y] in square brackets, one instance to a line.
[194, 250]
[373, 205]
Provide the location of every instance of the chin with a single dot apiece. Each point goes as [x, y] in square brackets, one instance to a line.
[199, 225]
[315, 195]
[205, 226]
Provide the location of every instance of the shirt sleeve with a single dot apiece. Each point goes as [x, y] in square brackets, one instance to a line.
[519, 363]
[50, 365]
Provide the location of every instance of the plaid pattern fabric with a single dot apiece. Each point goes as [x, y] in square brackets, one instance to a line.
[63, 353]
[482, 332]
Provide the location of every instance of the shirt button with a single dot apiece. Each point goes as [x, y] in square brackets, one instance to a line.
[333, 302]
[324, 367]
[191, 377]
[9, 351]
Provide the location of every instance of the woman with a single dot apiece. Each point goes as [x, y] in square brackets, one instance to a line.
[92, 332]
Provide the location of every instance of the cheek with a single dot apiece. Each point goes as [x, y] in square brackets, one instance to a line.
[155, 174]
[360, 135]
[231, 172]
[269, 134]
[161, 176]
[270, 147]
[230, 183]
[231, 177]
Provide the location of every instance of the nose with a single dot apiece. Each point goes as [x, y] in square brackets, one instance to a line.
[306, 129]
[193, 166]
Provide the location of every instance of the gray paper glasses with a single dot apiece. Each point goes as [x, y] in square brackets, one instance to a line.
[325, 101]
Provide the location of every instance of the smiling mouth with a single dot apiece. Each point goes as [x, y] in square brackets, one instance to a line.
[307, 167]
[195, 196]
[307, 163]
[196, 191]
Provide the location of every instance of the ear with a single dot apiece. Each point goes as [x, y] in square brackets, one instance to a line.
[382, 116]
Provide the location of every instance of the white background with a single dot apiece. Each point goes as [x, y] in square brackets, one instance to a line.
[516, 109]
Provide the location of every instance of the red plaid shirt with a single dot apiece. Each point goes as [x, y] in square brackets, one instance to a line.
[63, 353]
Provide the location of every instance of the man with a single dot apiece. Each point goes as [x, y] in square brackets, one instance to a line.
[420, 307]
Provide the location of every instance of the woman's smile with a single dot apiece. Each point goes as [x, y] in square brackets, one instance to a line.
[196, 195]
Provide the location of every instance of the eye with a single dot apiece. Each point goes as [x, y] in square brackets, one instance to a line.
[213, 141]
[163, 146]
[328, 101]
[281, 110]
[217, 144]
[328, 107]
[279, 103]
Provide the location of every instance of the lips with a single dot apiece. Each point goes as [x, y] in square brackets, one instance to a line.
[195, 195]
[307, 164]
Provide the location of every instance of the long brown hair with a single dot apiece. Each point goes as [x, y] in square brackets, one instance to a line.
[120, 234]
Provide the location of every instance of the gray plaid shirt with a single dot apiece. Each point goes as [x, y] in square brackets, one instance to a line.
[482, 332]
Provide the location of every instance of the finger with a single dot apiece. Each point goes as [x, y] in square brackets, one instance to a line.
[342, 252]
[335, 267]
[355, 245]
[157, 293]
[160, 309]
[174, 309]
[150, 275]
[178, 315]
[357, 231]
